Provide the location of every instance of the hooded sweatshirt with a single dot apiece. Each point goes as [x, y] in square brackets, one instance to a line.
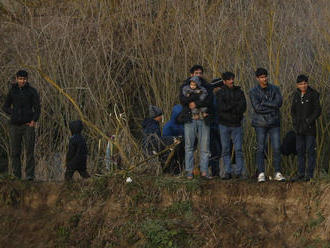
[76, 156]
[172, 128]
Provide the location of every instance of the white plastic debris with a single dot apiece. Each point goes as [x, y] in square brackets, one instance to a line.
[129, 180]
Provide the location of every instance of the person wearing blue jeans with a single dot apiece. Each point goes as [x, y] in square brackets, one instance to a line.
[192, 130]
[274, 134]
[196, 128]
[305, 110]
[266, 100]
[231, 105]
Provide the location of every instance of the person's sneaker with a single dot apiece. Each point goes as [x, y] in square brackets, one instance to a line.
[237, 176]
[227, 176]
[261, 177]
[279, 177]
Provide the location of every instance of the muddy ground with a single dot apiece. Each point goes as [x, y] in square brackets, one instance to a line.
[164, 212]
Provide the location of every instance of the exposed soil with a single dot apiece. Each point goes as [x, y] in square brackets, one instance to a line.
[164, 212]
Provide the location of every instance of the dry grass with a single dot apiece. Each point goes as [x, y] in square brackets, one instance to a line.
[115, 57]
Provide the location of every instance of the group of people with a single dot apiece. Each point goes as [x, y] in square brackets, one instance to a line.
[22, 104]
[211, 116]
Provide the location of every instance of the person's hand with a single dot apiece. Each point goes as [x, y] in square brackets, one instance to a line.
[215, 90]
[192, 105]
[31, 124]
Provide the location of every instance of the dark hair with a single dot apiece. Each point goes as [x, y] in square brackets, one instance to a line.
[195, 68]
[302, 78]
[22, 73]
[261, 71]
[228, 75]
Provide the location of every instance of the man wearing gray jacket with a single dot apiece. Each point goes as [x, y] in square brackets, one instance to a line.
[266, 100]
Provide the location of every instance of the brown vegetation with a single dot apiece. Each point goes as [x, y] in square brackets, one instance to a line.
[117, 57]
[164, 212]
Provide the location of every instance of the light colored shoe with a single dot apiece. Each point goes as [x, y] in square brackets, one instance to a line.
[279, 177]
[261, 177]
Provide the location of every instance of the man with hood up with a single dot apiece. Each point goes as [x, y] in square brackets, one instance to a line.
[76, 157]
[172, 127]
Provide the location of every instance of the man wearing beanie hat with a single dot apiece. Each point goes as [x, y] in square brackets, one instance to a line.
[151, 130]
[305, 110]
[155, 112]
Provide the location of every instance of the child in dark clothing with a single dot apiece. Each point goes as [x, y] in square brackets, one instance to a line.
[76, 156]
[194, 89]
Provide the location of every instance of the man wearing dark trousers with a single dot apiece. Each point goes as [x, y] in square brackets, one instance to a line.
[23, 105]
[305, 110]
[266, 100]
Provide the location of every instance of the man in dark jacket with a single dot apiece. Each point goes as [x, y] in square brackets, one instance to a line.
[231, 105]
[23, 105]
[152, 141]
[200, 128]
[305, 110]
[266, 100]
[76, 157]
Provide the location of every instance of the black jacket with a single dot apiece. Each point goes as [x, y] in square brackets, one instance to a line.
[185, 115]
[231, 105]
[305, 110]
[266, 103]
[22, 104]
[76, 156]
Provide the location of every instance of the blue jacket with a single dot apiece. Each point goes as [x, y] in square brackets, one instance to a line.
[172, 128]
[266, 103]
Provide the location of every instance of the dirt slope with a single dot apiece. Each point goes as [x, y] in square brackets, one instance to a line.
[164, 212]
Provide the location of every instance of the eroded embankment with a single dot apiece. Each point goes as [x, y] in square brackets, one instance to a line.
[164, 212]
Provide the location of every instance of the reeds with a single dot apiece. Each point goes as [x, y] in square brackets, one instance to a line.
[115, 57]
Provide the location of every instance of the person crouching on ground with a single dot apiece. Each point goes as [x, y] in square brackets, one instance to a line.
[305, 110]
[152, 137]
[76, 157]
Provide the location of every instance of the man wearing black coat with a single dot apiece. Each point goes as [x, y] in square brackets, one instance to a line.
[23, 105]
[231, 104]
[305, 110]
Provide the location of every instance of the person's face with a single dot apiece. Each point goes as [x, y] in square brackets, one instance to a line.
[302, 86]
[193, 85]
[229, 83]
[197, 73]
[159, 118]
[21, 81]
[263, 80]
